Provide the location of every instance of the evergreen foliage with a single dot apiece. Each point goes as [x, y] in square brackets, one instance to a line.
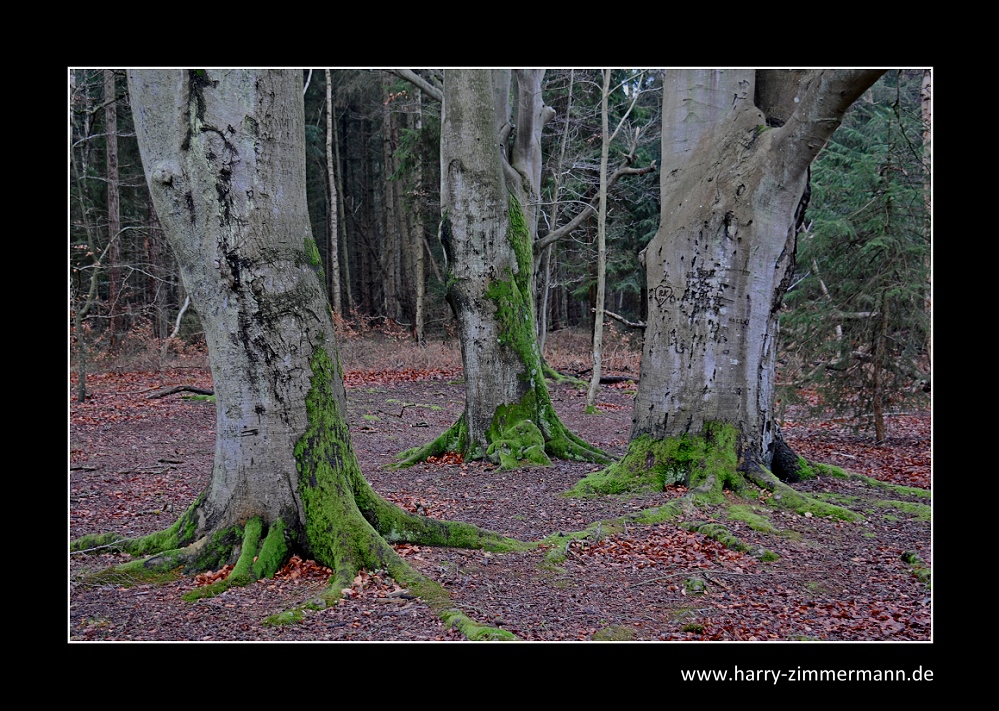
[857, 326]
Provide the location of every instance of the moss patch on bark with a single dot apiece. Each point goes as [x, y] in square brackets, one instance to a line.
[512, 437]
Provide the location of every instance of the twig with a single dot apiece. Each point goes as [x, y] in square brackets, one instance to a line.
[180, 388]
[622, 319]
[97, 548]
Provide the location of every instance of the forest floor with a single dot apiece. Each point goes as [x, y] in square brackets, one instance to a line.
[137, 463]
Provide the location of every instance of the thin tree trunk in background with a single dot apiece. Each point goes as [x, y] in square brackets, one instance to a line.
[563, 292]
[880, 345]
[927, 96]
[341, 219]
[114, 209]
[598, 314]
[545, 271]
[416, 235]
[81, 310]
[332, 241]
[156, 290]
[402, 255]
[390, 214]
[363, 231]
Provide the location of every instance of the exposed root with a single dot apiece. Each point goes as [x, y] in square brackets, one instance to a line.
[454, 439]
[521, 442]
[785, 497]
[559, 378]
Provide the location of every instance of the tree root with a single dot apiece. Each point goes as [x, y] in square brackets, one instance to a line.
[362, 542]
[553, 375]
[522, 442]
[785, 497]
[454, 439]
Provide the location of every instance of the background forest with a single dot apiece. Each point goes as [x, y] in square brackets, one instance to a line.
[856, 321]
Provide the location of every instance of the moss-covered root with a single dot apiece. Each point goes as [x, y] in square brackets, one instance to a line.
[474, 631]
[438, 600]
[256, 560]
[653, 464]
[521, 443]
[452, 440]
[381, 555]
[786, 497]
[562, 443]
[178, 535]
[557, 377]
[396, 525]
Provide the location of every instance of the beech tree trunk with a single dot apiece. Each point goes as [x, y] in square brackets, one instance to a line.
[487, 239]
[736, 147]
[224, 155]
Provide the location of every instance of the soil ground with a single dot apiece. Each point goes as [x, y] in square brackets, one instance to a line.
[137, 463]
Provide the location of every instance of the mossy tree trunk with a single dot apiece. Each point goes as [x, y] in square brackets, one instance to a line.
[736, 147]
[223, 152]
[488, 194]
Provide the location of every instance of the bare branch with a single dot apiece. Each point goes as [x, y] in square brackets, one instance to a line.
[591, 208]
[416, 80]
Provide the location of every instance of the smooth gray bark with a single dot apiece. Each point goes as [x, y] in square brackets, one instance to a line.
[733, 182]
[486, 234]
[223, 152]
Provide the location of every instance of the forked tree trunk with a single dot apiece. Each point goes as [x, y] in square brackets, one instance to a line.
[734, 181]
[223, 153]
[487, 240]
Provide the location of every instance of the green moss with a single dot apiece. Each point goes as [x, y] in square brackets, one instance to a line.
[474, 631]
[769, 557]
[254, 561]
[792, 500]
[694, 627]
[438, 600]
[748, 515]
[842, 499]
[805, 469]
[289, 617]
[614, 633]
[694, 586]
[178, 534]
[315, 259]
[518, 445]
[273, 552]
[918, 566]
[336, 534]
[134, 573]
[454, 439]
[922, 512]
[898, 489]
[653, 464]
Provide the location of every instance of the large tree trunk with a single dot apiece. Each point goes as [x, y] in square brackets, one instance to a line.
[486, 235]
[734, 181]
[223, 153]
